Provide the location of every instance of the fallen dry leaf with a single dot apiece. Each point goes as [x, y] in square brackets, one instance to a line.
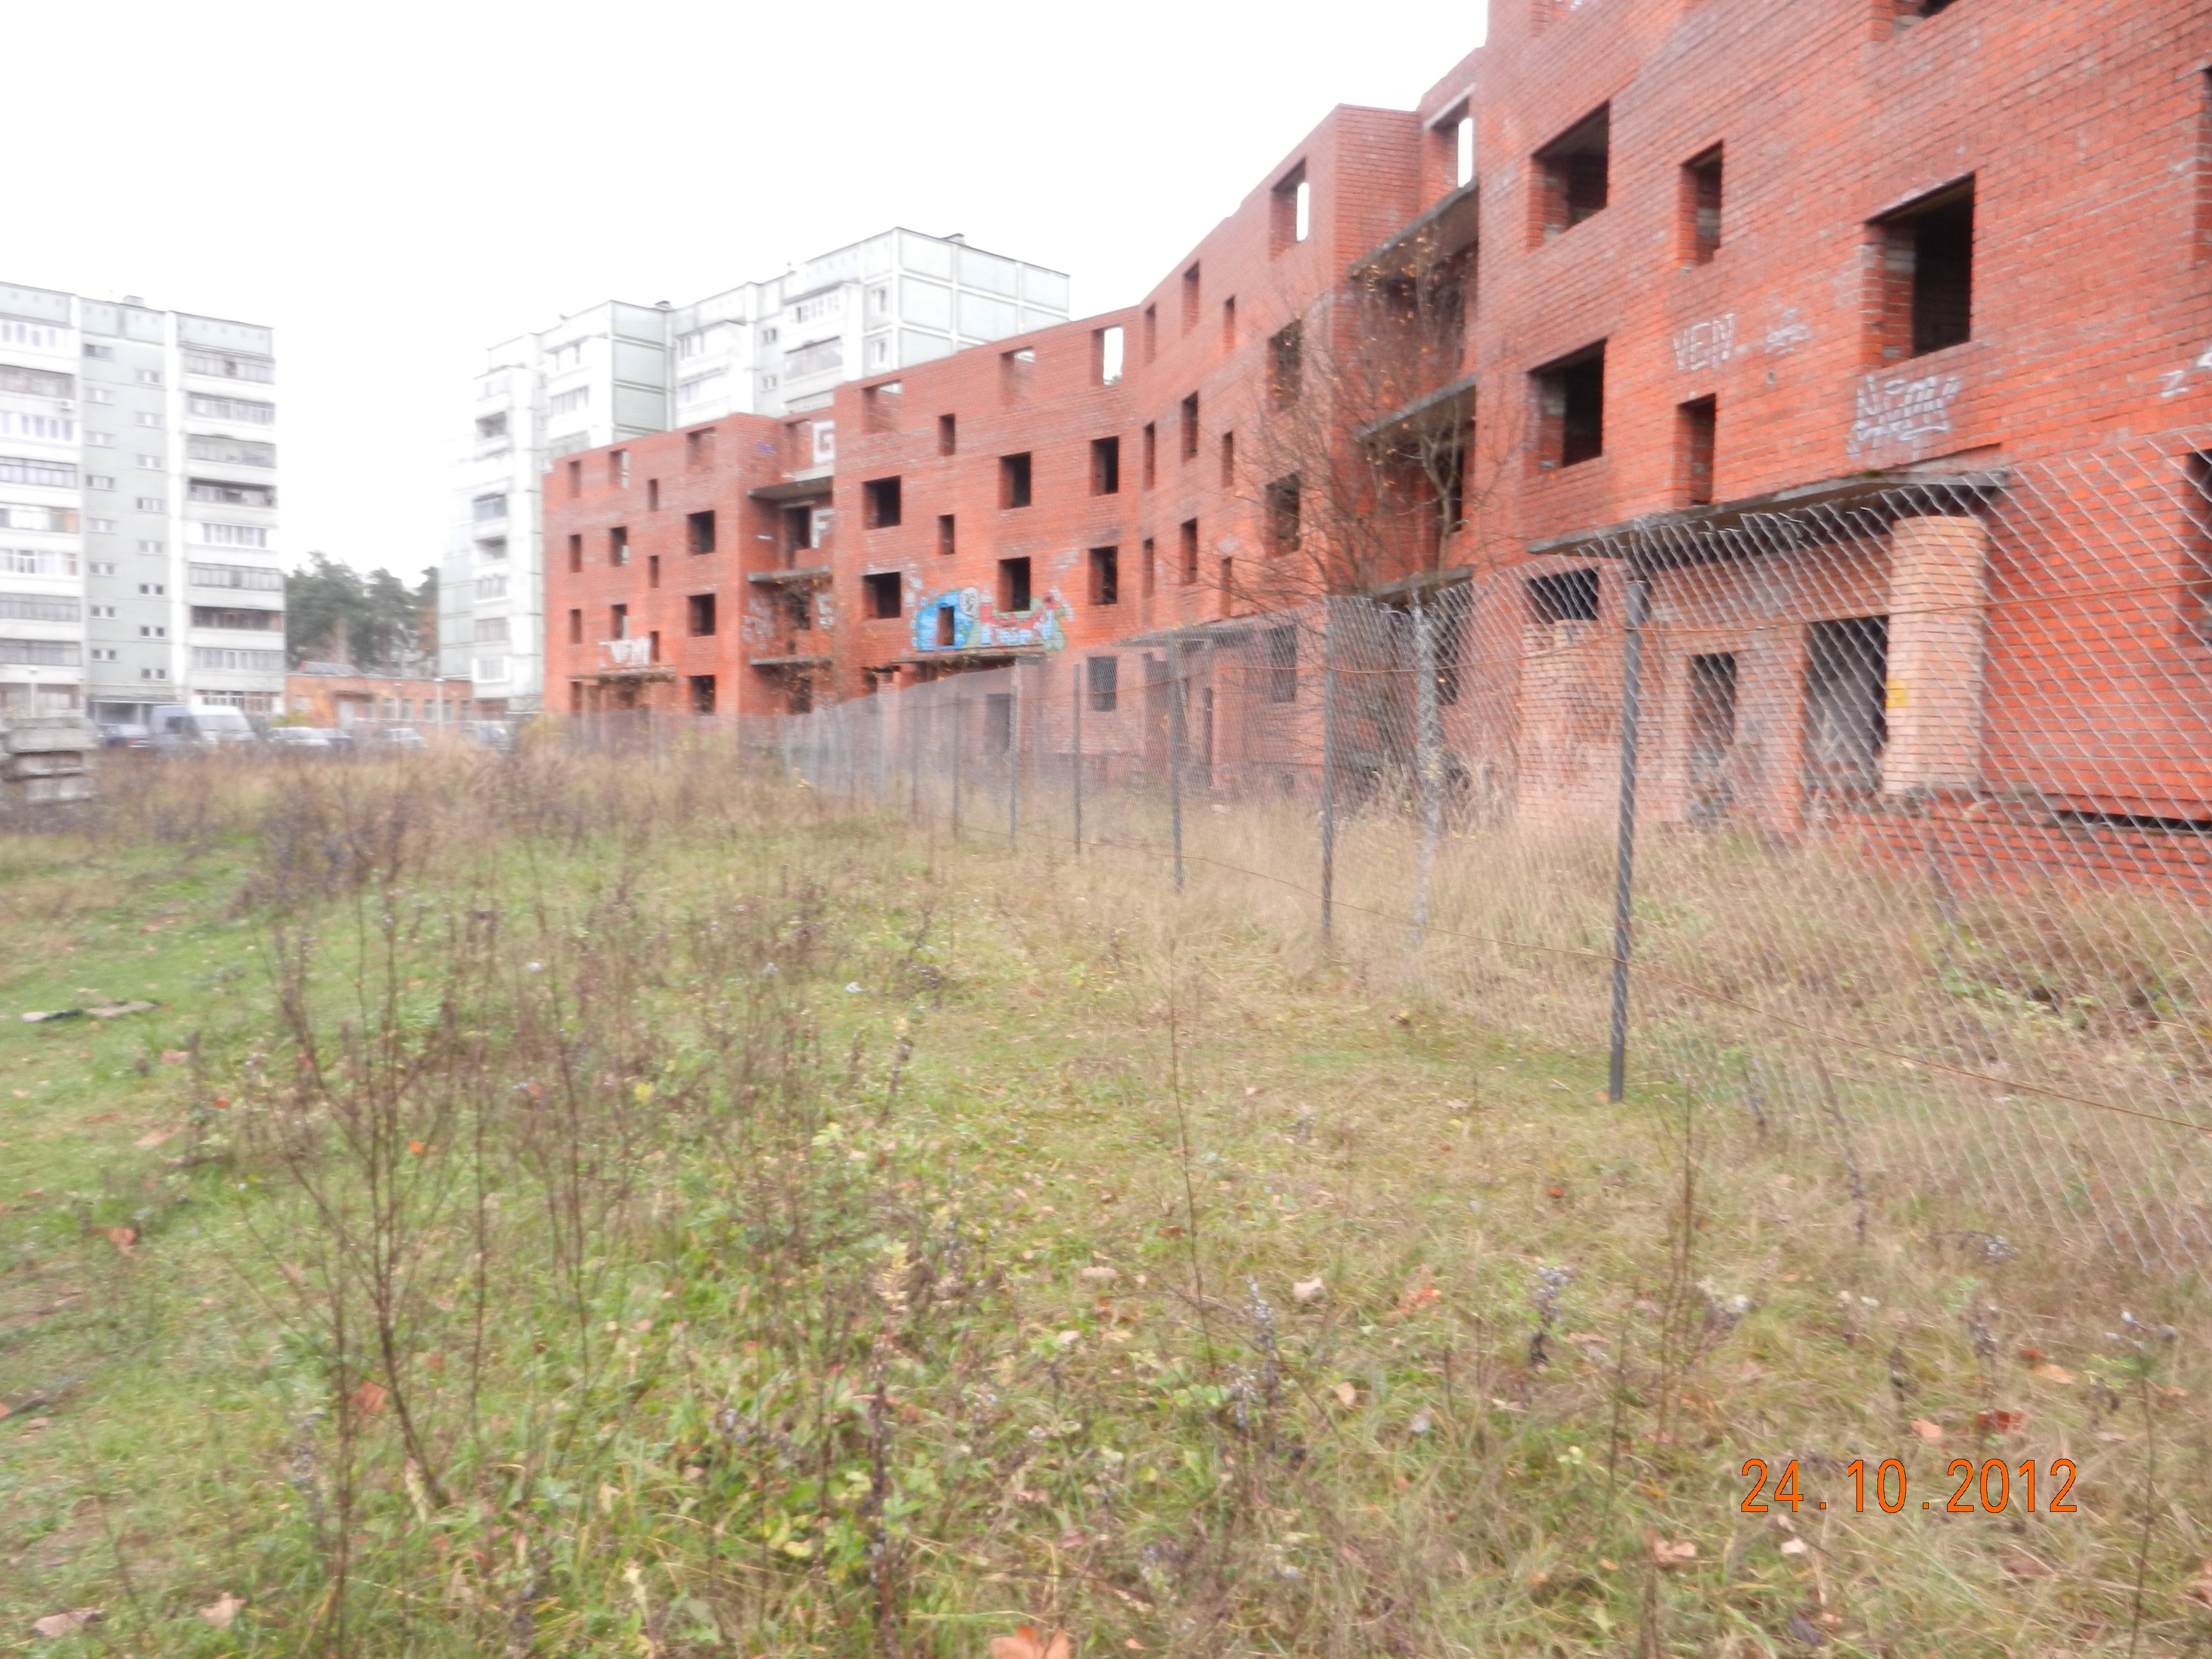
[1098, 1275]
[1928, 1431]
[1669, 1554]
[1024, 1644]
[2000, 1421]
[176, 1056]
[125, 1239]
[147, 1142]
[58, 1625]
[221, 1611]
[1307, 1290]
[1794, 1546]
[1346, 1393]
[2054, 1373]
[1422, 1423]
[370, 1396]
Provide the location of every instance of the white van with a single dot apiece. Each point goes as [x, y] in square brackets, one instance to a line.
[200, 726]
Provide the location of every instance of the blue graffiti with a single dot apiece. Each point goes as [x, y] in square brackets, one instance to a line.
[963, 619]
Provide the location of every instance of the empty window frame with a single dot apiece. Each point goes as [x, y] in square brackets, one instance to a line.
[798, 529]
[1927, 273]
[1281, 676]
[1150, 574]
[575, 478]
[1105, 466]
[1017, 372]
[948, 435]
[881, 589]
[1108, 345]
[702, 694]
[618, 545]
[1190, 426]
[618, 621]
[1228, 460]
[1571, 179]
[1847, 723]
[653, 570]
[698, 457]
[1290, 215]
[1701, 207]
[1904, 14]
[1568, 595]
[997, 722]
[652, 495]
[1187, 531]
[1190, 299]
[1105, 576]
[947, 540]
[698, 531]
[880, 405]
[699, 611]
[1229, 323]
[1013, 596]
[618, 469]
[1104, 676]
[879, 503]
[1571, 409]
[1287, 359]
[1696, 428]
[575, 627]
[1152, 332]
[1282, 516]
[1014, 480]
[575, 553]
[1151, 453]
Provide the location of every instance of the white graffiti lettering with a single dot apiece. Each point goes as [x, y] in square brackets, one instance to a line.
[1789, 332]
[1705, 345]
[1893, 410]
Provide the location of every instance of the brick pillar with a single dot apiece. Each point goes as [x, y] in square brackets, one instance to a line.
[1938, 593]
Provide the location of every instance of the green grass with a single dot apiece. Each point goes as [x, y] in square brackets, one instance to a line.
[739, 1311]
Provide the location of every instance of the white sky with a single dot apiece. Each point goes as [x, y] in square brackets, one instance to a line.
[395, 188]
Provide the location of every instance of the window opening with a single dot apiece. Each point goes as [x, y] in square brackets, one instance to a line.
[948, 435]
[1573, 176]
[1014, 480]
[1013, 585]
[1283, 515]
[1701, 207]
[1105, 576]
[702, 694]
[1109, 353]
[1290, 220]
[1927, 274]
[1696, 425]
[1149, 575]
[945, 542]
[1190, 426]
[1286, 354]
[879, 503]
[1712, 734]
[1282, 672]
[1151, 453]
[1105, 466]
[575, 553]
[699, 531]
[652, 495]
[947, 620]
[1846, 725]
[1228, 460]
[1571, 407]
[1104, 674]
[1188, 530]
[1570, 596]
[1229, 323]
[701, 607]
[653, 570]
[997, 722]
[1190, 300]
[618, 545]
[882, 588]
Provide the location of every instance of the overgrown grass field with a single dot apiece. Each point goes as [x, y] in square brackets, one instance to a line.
[561, 1205]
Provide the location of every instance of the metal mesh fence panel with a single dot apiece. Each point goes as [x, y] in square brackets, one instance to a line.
[1880, 824]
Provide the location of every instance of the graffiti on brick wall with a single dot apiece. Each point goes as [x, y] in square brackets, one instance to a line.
[1902, 411]
[964, 619]
[2175, 381]
[1715, 340]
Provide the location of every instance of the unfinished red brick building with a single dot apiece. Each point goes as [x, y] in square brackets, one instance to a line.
[1635, 277]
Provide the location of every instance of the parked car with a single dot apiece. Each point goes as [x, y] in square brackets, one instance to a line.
[492, 734]
[297, 736]
[125, 734]
[199, 725]
[401, 737]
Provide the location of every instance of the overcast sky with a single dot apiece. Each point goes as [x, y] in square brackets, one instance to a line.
[396, 187]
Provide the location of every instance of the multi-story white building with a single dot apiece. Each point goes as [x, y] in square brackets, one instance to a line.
[138, 558]
[619, 370]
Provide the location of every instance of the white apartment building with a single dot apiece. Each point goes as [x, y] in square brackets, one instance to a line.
[619, 370]
[138, 558]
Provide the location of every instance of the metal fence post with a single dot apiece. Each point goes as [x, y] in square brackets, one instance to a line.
[1014, 756]
[1624, 876]
[1328, 768]
[1175, 753]
[1075, 757]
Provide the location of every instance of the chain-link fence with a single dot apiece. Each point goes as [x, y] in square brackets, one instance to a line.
[1877, 821]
